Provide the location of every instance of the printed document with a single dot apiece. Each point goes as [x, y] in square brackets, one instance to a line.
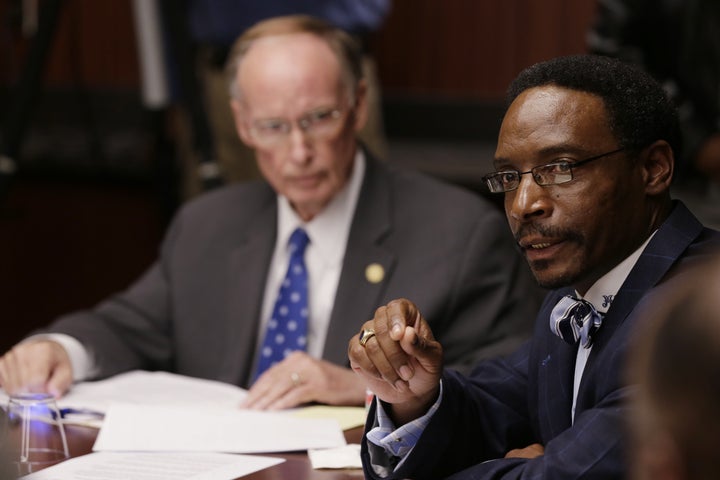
[155, 466]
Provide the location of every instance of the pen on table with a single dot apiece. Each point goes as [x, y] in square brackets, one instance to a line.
[64, 412]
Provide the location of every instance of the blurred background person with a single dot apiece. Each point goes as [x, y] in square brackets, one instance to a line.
[675, 421]
[88, 206]
[213, 27]
[678, 42]
[206, 307]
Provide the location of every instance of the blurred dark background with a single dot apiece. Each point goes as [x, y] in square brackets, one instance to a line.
[96, 181]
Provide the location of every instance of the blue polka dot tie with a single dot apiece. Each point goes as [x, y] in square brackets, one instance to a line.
[574, 319]
[287, 328]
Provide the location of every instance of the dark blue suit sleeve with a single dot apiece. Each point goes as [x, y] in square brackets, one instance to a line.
[483, 417]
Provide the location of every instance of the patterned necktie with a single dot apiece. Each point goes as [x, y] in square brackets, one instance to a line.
[287, 328]
[574, 319]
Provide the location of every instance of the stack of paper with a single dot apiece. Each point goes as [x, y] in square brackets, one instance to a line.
[159, 414]
[212, 429]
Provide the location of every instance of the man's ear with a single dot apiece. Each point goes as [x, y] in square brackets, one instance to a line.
[361, 105]
[658, 167]
[241, 122]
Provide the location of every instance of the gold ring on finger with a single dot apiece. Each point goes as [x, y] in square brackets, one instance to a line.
[365, 335]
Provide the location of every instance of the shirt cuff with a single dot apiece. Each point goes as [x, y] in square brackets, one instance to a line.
[81, 360]
[399, 442]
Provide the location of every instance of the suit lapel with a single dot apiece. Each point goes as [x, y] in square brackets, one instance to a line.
[359, 294]
[557, 360]
[556, 371]
[247, 273]
[671, 240]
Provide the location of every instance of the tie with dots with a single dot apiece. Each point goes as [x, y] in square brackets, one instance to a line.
[287, 328]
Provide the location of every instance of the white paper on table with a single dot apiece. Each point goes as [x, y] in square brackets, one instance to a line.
[151, 388]
[90, 400]
[200, 429]
[347, 456]
[155, 466]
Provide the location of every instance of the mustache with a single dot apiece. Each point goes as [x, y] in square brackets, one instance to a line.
[537, 229]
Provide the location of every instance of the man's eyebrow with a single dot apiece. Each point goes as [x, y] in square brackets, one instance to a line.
[553, 151]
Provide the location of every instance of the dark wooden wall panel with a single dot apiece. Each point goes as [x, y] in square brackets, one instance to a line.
[94, 45]
[474, 47]
[426, 46]
[68, 245]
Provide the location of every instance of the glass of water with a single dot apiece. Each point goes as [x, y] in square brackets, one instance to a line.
[34, 433]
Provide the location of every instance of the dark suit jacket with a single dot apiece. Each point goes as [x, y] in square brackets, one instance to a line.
[526, 398]
[196, 310]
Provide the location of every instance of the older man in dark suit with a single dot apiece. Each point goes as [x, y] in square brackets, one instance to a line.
[585, 158]
[369, 233]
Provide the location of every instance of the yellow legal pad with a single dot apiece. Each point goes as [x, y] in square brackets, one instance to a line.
[347, 417]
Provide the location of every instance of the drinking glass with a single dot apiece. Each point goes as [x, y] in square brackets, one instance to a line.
[34, 432]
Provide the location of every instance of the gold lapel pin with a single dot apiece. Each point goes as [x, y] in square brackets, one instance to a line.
[374, 273]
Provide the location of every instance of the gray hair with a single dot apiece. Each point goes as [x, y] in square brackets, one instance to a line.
[343, 45]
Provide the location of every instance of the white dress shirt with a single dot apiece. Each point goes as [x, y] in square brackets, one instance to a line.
[328, 232]
[601, 295]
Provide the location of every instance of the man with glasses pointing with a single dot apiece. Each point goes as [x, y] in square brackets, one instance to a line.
[261, 284]
[585, 158]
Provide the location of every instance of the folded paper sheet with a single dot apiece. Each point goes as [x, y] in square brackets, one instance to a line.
[346, 457]
[182, 428]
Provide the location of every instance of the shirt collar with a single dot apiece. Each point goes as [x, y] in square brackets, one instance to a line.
[329, 229]
[603, 291]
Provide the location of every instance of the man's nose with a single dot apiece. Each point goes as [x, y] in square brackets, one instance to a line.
[528, 201]
[300, 144]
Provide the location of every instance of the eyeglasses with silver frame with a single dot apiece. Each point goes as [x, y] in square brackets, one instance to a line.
[555, 173]
[318, 124]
